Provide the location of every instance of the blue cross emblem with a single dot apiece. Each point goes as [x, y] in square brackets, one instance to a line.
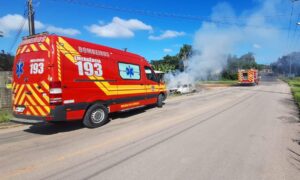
[129, 71]
[19, 70]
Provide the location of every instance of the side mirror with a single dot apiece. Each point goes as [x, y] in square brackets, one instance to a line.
[161, 81]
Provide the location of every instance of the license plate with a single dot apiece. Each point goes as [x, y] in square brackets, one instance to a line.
[20, 109]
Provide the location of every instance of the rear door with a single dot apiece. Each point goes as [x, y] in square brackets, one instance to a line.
[30, 80]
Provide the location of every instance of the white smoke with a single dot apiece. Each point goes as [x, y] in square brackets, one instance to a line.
[214, 41]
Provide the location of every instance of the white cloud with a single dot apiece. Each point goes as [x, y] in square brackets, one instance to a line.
[66, 31]
[167, 35]
[256, 46]
[119, 28]
[12, 22]
[167, 50]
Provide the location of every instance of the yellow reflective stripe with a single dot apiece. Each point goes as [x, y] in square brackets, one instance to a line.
[33, 111]
[130, 92]
[37, 98]
[31, 101]
[22, 98]
[44, 95]
[15, 91]
[43, 47]
[19, 92]
[33, 47]
[67, 49]
[18, 51]
[26, 104]
[58, 62]
[35, 85]
[35, 95]
[17, 87]
[23, 49]
[47, 40]
[34, 104]
[120, 87]
[46, 86]
[102, 87]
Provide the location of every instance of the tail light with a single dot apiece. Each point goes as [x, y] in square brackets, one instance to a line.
[55, 93]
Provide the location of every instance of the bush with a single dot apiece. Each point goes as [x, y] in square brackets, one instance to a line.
[229, 76]
[295, 88]
[5, 116]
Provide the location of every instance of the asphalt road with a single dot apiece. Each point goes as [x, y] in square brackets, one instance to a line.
[232, 133]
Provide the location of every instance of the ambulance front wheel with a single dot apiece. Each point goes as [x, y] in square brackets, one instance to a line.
[96, 116]
[160, 99]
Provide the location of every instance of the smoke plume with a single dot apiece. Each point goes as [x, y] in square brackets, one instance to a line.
[259, 30]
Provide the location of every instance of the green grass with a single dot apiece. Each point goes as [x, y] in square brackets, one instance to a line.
[5, 116]
[294, 83]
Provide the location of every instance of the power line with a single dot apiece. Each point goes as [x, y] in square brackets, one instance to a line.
[290, 23]
[289, 45]
[20, 29]
[295, 34]
[169, 15]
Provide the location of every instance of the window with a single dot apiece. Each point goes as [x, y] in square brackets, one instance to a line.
[129, 71]
[245, 76]
[150, 74]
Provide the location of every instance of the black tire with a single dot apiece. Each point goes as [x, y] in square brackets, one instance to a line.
[96, 116]
[160, 99]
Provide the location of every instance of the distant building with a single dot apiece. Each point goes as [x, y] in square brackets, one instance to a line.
[266, 70]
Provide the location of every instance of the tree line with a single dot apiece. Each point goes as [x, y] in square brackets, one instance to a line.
[287, 64]
[6, 61]
[172, 63]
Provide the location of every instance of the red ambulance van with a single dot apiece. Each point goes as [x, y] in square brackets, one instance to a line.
[57, 78]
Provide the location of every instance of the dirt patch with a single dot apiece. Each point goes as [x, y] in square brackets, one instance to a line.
[7, 125]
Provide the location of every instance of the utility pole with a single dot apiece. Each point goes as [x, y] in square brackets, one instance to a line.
[30, 18]
[290, 60]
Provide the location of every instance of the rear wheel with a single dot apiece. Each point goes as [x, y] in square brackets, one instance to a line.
[96, 116]
[160, 99]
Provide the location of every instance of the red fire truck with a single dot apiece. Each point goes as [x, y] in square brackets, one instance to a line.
[248, 77]
[57, 79]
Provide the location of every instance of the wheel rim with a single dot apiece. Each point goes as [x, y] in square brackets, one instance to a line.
[98, 116]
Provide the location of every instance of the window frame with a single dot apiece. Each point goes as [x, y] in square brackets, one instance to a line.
[152, 72]
[122, 62]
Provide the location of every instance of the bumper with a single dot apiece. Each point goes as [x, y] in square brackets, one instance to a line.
[23, 119]
[58, 114]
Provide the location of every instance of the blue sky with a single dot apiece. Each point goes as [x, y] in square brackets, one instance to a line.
[258, 26]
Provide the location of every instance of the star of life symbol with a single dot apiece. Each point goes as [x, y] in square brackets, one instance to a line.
[129, 71]
[19, 70]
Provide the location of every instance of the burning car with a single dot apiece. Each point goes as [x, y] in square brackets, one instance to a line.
[183, 89]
